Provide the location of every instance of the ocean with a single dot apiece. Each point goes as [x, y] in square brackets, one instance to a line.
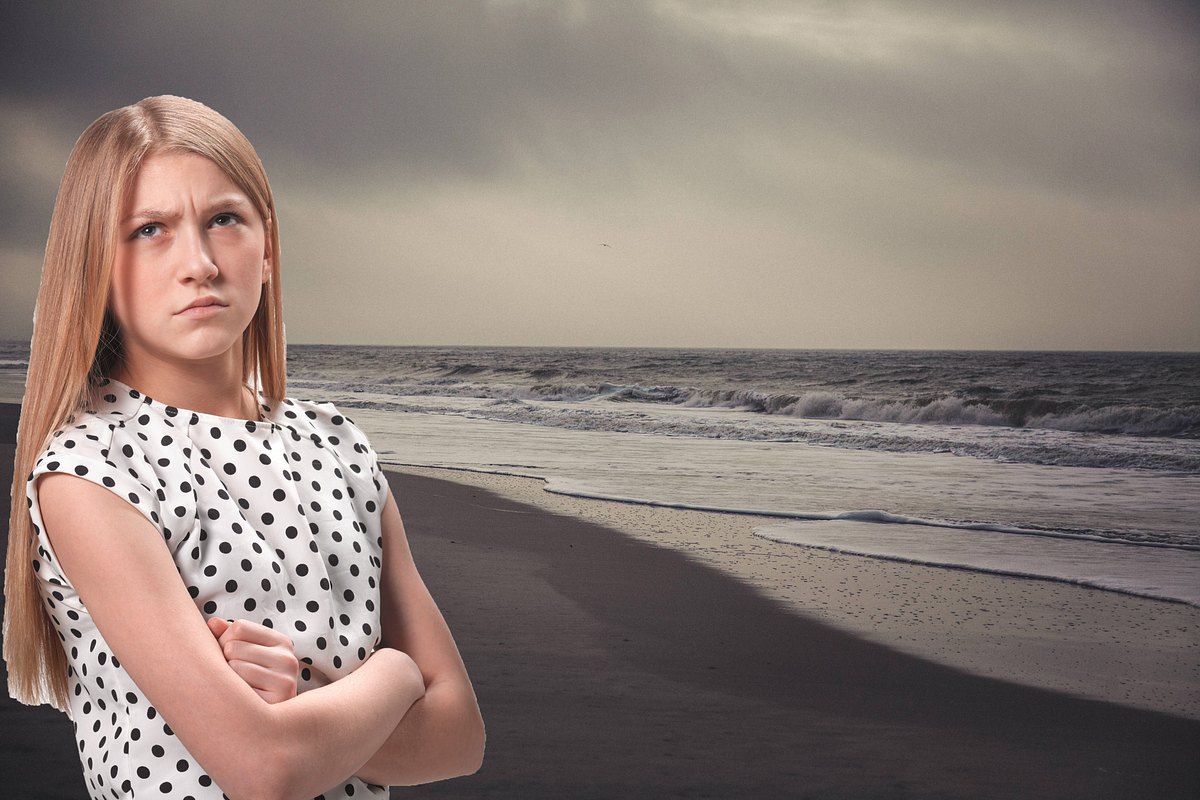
[1076, 467]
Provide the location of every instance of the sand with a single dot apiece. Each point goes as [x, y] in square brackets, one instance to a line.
[1091, 643]
[671, 654]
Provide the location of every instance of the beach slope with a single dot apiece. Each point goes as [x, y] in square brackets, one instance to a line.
[610, 667]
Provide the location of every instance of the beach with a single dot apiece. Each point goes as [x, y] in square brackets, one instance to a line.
[1048, 634]
[632, 651]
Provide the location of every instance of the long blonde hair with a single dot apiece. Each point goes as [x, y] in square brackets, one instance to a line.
[75, 339]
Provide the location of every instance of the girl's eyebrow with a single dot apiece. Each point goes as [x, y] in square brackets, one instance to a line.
[228, 201]
[151, 213]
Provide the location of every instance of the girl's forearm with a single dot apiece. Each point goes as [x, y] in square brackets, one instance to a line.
[441, 736]
[322, 736]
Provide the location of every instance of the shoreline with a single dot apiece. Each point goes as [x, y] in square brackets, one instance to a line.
[609, 665]
[1138, 651]
[640, 652]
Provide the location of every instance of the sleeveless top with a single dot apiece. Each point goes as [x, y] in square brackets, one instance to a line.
[277, 522]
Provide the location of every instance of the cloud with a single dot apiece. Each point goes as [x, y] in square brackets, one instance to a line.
[857, 155]
[472, 89]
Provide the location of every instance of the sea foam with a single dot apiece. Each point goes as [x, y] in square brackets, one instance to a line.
[1159, 573]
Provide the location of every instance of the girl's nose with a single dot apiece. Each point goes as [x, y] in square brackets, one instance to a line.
[196, 256]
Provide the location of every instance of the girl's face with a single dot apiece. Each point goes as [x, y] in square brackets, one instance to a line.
[187, 234]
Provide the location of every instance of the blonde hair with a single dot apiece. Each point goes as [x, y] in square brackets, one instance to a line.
[76, 341]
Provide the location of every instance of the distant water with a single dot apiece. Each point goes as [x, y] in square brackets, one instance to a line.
[1083, 467]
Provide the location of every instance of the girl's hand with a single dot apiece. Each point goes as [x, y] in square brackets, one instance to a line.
[262, 657]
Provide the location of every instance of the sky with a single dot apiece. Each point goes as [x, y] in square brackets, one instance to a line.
[751, 173]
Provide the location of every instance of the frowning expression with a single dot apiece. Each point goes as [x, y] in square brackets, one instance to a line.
[192, 257]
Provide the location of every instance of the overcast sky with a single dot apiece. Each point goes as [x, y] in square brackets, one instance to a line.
[997, 175]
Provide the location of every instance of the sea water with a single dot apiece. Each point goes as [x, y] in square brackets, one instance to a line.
[1080, 467]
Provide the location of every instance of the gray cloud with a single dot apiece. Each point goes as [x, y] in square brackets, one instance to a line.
[800, 158]
[468, 86]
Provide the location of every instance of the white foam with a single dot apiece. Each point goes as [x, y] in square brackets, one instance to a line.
[575, 489]
[1159, 573]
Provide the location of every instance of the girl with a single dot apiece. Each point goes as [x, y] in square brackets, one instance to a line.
[212, 579]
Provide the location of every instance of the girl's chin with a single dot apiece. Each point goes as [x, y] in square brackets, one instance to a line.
[191, 341]
[194, 349]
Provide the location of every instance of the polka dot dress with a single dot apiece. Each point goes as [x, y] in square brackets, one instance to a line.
[276, 521]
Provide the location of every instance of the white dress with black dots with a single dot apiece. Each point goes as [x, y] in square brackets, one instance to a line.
[277, 522]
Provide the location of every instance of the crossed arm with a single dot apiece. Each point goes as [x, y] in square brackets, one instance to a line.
[407, 715]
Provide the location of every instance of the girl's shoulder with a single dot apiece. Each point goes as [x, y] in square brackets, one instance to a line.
[330, 427]
[103, 448]
[87, 435]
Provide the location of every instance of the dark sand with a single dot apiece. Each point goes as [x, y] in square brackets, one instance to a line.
[609, 668]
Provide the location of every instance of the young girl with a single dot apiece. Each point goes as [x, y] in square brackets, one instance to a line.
[212, 579]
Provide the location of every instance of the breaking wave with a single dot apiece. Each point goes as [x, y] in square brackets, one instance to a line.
[1038, 412]
[1010, 445]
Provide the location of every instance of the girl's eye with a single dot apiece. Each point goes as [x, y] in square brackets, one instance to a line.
[224, 220]
[147, 231]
